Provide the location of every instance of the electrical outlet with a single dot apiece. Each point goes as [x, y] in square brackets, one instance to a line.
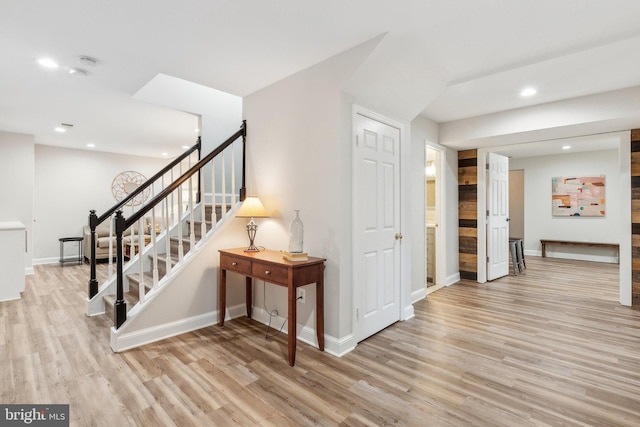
[302, 295]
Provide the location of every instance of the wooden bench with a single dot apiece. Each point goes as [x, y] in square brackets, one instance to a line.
[545, 242]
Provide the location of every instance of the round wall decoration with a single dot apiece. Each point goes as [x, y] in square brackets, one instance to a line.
[126, 183]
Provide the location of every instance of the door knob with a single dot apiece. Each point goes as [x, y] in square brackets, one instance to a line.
[398, 236]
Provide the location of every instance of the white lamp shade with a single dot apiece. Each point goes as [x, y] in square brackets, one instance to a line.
[252, 208]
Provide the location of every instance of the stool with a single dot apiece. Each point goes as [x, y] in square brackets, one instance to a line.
[517, 254]
[64, 240]
[514, 256]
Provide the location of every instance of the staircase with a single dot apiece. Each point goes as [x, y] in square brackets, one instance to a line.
[169, 230]
[134, 280]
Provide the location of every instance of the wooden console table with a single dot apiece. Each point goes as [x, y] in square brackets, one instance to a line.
[269, 266]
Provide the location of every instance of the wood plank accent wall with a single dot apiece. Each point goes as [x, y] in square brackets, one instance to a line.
[468, 213]
[635, 217]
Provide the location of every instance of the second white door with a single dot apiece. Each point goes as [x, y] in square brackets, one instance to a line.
[497, 216]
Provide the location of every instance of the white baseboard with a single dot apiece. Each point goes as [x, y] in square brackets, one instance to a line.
[450, 280]
[332, 345]
[42, 261]
[125, 341]
[408, 313]
[418, 295]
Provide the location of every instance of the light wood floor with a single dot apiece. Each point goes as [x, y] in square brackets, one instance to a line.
[549, 347]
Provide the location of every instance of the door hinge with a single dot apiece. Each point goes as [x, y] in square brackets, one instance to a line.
[357, 314]
[487, 260]
[357, 140]
[487, 166]
[487, 213]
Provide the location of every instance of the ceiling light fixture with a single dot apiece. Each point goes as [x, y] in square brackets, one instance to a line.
[165, 154]
[63, 127]
[566, 147]
[74, 71]
[48, 63]
[91, 145]
[88, 61]
[196, 130]
[528, 92]
[185, 147]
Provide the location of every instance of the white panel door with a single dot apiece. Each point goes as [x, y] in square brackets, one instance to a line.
[498, 216]
[377, 225]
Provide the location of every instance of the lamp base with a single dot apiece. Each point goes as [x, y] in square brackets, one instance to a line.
[252, 227]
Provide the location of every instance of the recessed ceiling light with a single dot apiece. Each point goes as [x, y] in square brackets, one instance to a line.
[566, 147]
[528, 92]
[60, 129]
[165, 154]
[48, 63]
[91, 145]
[184, 147]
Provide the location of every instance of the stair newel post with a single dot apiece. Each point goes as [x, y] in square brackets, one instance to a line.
[243, 189]
[120, 308]
[93, 282]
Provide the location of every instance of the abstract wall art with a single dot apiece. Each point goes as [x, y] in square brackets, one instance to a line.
[578, 196]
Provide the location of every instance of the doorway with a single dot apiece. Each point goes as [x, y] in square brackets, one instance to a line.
[433, 202]
[516, 203]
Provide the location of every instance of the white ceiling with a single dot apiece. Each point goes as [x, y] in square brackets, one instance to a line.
[447, 60]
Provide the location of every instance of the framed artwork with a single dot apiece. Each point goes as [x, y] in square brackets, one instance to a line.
[578, 196]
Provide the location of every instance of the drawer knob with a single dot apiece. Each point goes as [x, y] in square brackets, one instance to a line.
[234, 263]
[267, 272]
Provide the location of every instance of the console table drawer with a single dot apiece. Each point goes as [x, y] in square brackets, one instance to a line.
[239, 265]
[269, 273]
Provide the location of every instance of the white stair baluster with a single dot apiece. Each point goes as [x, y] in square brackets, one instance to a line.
[141, 237]
[167, 239]
[214, 202]
[203, 225]
[233, 175]
[154, 240]
[180, 232]
[192, 235]
[223, 180]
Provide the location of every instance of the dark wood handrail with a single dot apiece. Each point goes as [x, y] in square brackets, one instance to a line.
[135, 217]
[95, 220]
[149, 182]
[122, 223]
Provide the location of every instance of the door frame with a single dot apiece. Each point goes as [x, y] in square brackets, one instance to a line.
[482, 215]
[441, 243]
[405, 306]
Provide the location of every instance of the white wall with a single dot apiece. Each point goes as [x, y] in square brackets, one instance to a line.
[299, 157]
[16, 175]
[69, 183]
[540, 224]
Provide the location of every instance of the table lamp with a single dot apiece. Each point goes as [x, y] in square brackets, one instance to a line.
[252, 208]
